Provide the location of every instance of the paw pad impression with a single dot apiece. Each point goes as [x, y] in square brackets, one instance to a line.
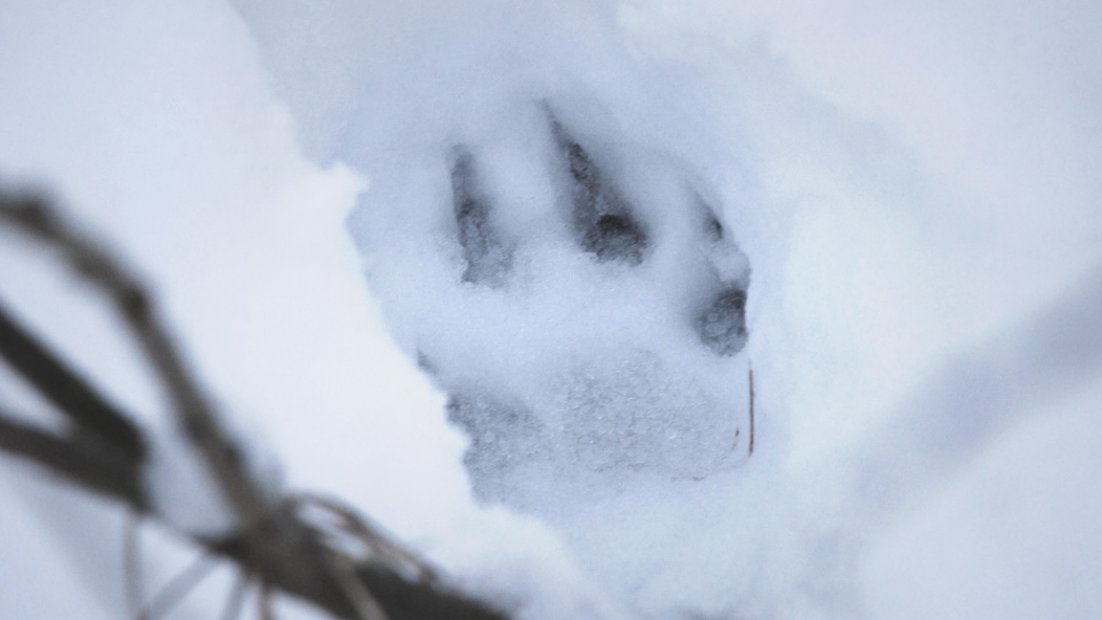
[635, 388]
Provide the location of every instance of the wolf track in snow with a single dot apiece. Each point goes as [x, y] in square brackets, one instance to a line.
[594, 337]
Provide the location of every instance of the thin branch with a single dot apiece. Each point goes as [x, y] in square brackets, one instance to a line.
[235, 603]
[264, 601]
[750, 451]
[85, 407]
[89, 464]
[367, 608]
[377, 545]
[273, 542]
[33, 217]
[94, 469]
[132, 569]
[278, 541]
[179, 587]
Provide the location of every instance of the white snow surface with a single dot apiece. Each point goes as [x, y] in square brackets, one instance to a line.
[913, 188]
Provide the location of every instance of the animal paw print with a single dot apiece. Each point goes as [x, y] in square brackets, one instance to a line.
[587, 319]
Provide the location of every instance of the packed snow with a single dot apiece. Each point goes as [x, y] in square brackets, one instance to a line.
[498, 274]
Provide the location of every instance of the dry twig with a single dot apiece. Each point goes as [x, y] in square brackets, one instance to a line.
[105, 453]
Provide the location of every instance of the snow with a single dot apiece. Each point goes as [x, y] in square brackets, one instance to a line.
[907, 190]
[1013, 536]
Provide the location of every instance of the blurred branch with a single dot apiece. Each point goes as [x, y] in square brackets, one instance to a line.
[31, 216]
[94, 466]
[273, 541]
[66, 390]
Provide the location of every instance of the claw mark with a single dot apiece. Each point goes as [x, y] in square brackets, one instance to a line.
[711, 227]
[602, 219]
[487, 259]
[750, 374]
[723, 325]
[714, 229]
[615, 237]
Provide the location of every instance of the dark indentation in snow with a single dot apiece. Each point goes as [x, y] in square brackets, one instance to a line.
[630, 418]
[615, 237]
[722, 326]
[603, 222]
[486, 257]
[714, 229]
[504, 439]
